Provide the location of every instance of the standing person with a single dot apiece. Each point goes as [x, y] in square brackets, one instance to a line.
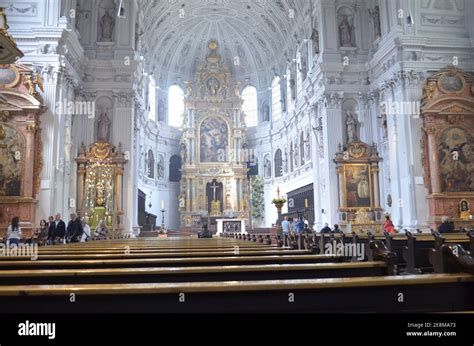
[51, 227]
[59, 230]
[326, 229]
[14, 232]
[300, 225]
[74, 229]
[388, 225]
[285, 225]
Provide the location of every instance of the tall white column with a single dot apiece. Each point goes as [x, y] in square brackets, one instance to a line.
[333, 130]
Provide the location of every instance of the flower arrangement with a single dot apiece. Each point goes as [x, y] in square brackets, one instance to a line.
[279, 200]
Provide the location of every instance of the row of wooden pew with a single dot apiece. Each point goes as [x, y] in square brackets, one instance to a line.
[228, 274]
[413, 253]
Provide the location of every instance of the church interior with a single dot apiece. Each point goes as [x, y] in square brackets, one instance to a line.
[227, 149]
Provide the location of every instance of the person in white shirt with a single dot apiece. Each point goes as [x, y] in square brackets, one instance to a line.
[14, 232]
[86, 231]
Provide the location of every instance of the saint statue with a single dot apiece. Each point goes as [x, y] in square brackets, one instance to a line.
[161, 168]
[293, 88]
[345, 32]
[375, 15]
[268, 168]
[303, 69]
[266, 112]
[103, 127]
[184, 153]
[106, 27]
[296, 154]
[351, 127]
[213, 86]
[315, 39]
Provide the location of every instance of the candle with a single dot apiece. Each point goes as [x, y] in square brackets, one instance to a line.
[162, 204]
[306, 203]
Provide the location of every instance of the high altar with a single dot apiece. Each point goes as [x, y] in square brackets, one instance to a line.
[100, 184]
[448, 150]
[213, 146]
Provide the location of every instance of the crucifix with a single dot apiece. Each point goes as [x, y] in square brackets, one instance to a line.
[214, 188]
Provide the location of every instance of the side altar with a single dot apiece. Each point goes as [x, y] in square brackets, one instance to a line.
[213, 146]
[357, 166]
[100, 184]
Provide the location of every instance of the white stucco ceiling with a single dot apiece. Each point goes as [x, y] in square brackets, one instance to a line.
[261, 33]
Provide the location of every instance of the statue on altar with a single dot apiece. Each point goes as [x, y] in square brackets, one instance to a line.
[215, 208]
[99, 212]
[100, 181]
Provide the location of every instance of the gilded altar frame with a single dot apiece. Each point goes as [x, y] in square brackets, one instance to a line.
[21, 107]
[101, 153]
[361, 217]
[447, 106]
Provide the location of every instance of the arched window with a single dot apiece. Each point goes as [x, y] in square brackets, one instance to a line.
[250, 105]
[151, 165]
[151, 98]
[302, 149]
[175, 168]
[278, 164]
[175, 106]
[292, 154]
[276, 98]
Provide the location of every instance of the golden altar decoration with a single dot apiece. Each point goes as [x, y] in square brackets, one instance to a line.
[213, 145]
[447, 112]
[100, 183]
[215, 208]
[357, 167]
[9, 51]
[21, 107]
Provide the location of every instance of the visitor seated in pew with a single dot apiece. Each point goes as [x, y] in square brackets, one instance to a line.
[446, 226]
[204, 233]
[388, 225]
[336, 229]
[40, 234]
[101, 231]
[86, 234]
[74, 229]
[285, 225]
[14, 232]
[326, 229]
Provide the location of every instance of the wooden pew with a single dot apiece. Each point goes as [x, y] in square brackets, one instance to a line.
[188, 254]
[447, 292]
[417, 251]
[167, 262]
[190, 274]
